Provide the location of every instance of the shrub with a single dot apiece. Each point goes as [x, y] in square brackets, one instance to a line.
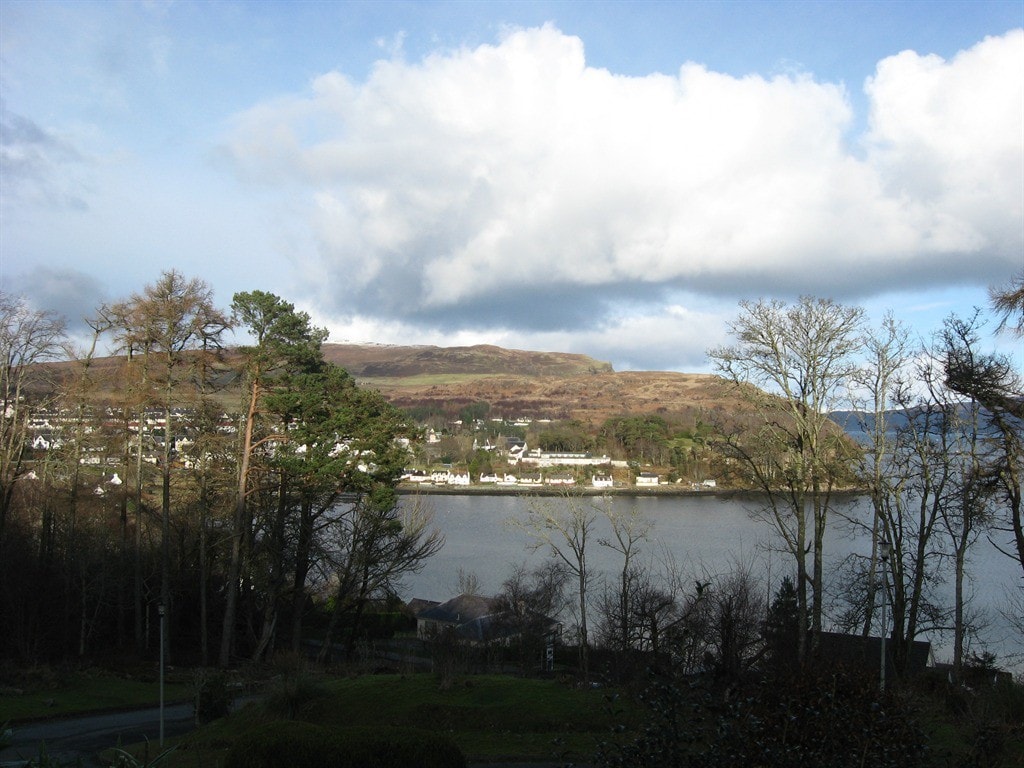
[378, 747]
[293, 695]
[212, 695]
[282, 743]
[827, 721]
[303, 745]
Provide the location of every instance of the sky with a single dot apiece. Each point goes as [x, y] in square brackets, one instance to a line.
[607, 178]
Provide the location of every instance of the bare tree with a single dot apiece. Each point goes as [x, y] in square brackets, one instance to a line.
[174, 323]
[565, 526]
[902, 467]
[528, 605]
[735, 626]
[928, 467]
[888, 354]
[27, 337]
[910, 498]
[628, 531]
[800, 359]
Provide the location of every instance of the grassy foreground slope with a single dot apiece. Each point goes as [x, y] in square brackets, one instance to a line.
[47, 695]
[489, 717]
[496, 719]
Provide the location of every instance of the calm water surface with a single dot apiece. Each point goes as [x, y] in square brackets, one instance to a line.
[701, 534]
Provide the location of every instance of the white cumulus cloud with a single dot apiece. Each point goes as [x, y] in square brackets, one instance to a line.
[512, 185]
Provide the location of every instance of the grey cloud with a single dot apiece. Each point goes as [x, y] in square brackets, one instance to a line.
[72, 294]
[533, 304]
[33, 163]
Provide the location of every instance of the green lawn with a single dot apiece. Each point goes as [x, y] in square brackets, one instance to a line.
[489, 717]
[83, 692]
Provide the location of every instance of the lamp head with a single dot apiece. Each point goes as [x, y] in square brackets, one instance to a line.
[885, 551]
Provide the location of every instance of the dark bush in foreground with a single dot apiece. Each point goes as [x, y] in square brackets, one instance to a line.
[826, 721]
[279, 744]
[303, 745]
[294, 695]
[212, 695]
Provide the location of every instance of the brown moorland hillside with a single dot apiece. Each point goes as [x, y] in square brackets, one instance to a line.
[385, 361]
[588, 399]
[514, 383]
[519, 383]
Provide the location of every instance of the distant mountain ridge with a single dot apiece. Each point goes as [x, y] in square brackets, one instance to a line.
[860, 425]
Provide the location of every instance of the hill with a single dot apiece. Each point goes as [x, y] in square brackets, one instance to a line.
[513, 383]
[519, 383]
[384, 361]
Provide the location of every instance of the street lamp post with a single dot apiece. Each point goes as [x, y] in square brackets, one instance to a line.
[162, 611]
[884, 551]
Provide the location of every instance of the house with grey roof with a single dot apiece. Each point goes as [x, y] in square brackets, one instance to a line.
[474, 619]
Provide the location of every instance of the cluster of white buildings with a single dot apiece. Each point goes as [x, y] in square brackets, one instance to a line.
[456, 478]
[48, 430]
[54, 429]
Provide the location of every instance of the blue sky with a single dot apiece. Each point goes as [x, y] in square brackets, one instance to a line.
[605, 178]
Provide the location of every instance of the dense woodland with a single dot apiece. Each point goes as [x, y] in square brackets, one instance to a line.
[232, 528]
[281, 524]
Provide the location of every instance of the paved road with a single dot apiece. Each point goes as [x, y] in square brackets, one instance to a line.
[71, 738]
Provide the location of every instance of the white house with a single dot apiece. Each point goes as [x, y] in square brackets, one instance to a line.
[648, 478]
[556, 459]
[46, 441]
[560, 479]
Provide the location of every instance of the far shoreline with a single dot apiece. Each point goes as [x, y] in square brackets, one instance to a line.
[428, 489]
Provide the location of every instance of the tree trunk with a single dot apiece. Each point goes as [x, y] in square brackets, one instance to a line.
[165, 535]
[303, 552]
[204, 577]
[820, 510]
[801, 592]
[872, 575]
[140, 631]
[584, 652]
[958, 618]
[238, 534]
[276, 551]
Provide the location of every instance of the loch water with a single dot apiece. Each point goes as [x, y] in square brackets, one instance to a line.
[702, 534]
